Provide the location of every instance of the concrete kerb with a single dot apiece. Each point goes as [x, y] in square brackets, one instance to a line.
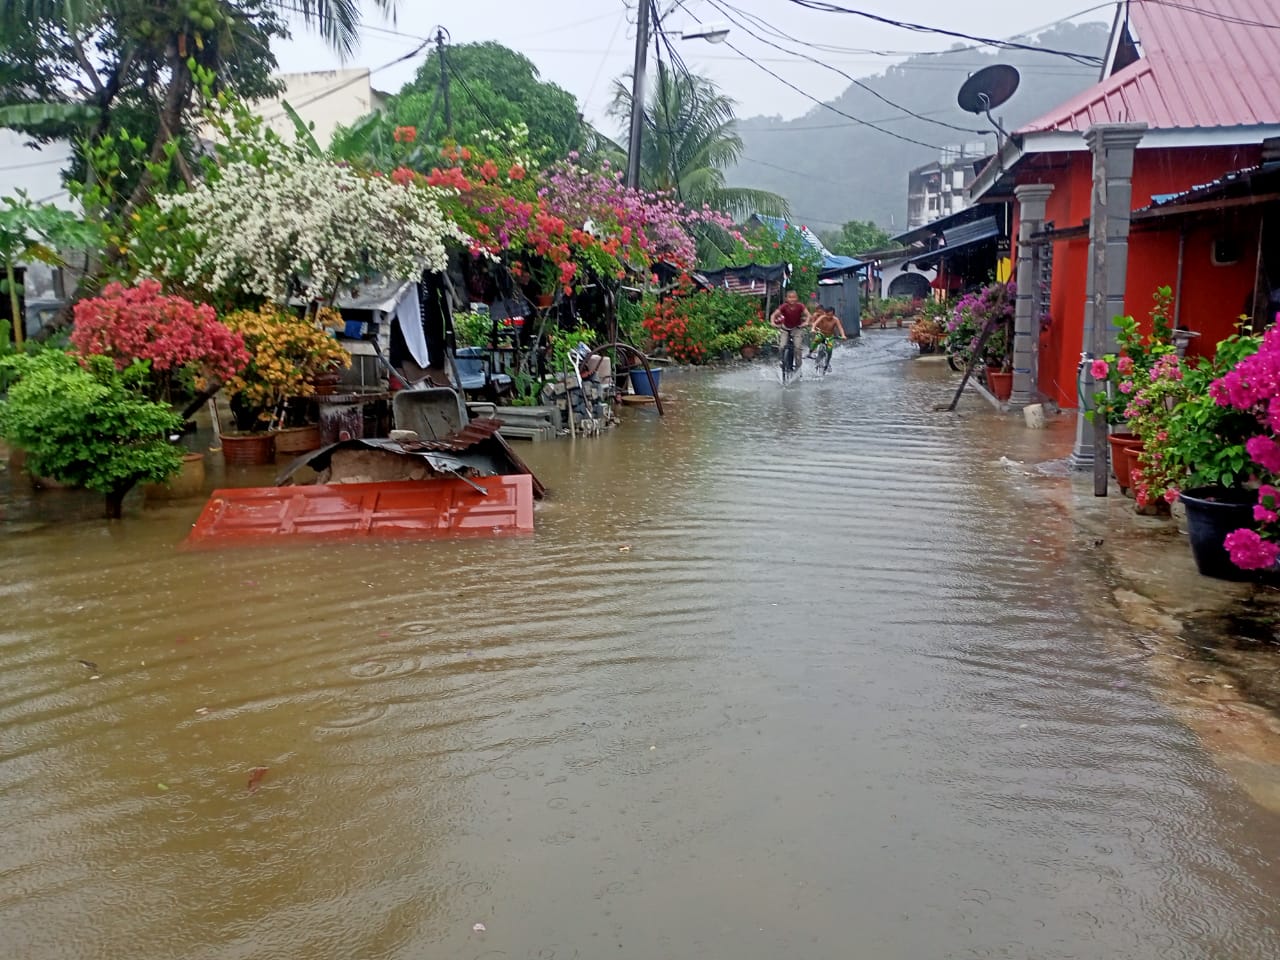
[1157, 609]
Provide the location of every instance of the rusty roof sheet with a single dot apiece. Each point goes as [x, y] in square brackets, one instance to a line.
[1203, 64]
[474, 432]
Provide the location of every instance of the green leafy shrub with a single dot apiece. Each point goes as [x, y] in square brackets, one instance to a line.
[731, 342]
[758, 334]
[90, 426]
[472, 329]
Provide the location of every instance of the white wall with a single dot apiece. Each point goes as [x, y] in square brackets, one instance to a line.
[325, 98]
[37, 170]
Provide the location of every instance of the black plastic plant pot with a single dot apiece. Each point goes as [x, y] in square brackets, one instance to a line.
[1212, 513]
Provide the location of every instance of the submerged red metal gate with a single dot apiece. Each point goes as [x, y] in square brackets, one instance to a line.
[398, 509]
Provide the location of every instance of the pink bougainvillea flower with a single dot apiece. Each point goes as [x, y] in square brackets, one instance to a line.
[1126, 386]
[1099, 369]
[1125, 366]
[1249, 551]
[1265, 451]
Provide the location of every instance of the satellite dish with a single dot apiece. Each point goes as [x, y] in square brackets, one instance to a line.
[987, 89]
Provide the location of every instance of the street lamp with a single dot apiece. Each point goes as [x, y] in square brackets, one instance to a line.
[712, 33]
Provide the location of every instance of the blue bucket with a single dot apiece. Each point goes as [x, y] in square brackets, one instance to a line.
[354, 329]
[640, 382]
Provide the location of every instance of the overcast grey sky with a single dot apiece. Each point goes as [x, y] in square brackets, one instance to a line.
[583, 44]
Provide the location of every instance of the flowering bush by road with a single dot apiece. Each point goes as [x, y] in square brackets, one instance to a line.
[177, 338]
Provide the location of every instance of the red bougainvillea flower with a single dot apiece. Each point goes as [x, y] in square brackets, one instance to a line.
[405, 134]
[141, 323]
[517, 172]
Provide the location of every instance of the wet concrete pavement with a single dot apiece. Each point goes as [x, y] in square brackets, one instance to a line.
[796, 673]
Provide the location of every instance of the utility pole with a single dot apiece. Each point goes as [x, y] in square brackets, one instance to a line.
[444, 84]
[637, 94]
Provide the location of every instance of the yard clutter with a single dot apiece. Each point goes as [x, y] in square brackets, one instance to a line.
[310, 292]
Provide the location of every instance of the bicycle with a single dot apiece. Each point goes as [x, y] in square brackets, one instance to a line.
[822, 354]
[790, 362]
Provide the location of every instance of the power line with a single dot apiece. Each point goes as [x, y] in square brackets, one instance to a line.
[798, 173]
[360, 75]
[821, 103]
[822, 6]
[1029, 32]
[466, 88]
[608, 50]
[852, 79]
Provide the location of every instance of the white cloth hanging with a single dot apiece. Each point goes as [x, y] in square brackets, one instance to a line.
[408, 314]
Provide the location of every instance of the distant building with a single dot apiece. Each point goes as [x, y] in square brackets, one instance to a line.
[324, 99]
[938, 189]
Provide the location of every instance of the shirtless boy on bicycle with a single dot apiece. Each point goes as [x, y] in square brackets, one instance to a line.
[824, 324]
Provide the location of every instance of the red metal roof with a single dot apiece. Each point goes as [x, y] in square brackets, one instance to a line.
[1204, 63]
[397, 509]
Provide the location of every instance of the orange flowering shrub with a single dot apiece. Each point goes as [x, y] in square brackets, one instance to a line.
[286, 351]
[671, 331]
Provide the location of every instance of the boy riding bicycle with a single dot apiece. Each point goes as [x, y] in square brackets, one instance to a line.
[824, 325]
[792, 319]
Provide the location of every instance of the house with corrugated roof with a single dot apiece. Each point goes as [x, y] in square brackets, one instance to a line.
[1188, 93]
[839, 281]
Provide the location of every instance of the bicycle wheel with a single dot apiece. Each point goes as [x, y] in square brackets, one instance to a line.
[823, 359]
[788, 360]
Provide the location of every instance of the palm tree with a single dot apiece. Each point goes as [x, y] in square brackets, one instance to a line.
[689, 141]
[338, 21]
[105, 50]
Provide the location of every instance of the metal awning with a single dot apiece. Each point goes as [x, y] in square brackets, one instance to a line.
[961, 239]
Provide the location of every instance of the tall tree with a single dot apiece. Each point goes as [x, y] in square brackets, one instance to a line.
[88, 69]
[68, 66]
[689, 140]
[491, 87]
[855, 237]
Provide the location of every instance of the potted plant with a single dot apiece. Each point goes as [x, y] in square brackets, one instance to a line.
[1122, 375]
[287, 354]
[86, 423]
[754, 336]
[726, 345]
[1231, 496]
[181, 351]
[926, 333]
[988, 309]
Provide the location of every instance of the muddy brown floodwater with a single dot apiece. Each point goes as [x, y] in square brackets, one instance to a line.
[790, 674]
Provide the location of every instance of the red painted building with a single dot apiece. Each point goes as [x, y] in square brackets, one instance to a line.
[1205, 79]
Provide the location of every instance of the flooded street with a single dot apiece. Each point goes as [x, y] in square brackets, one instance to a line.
[791, 674]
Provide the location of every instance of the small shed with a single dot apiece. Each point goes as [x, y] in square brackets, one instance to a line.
[383, 316]
[752, 280]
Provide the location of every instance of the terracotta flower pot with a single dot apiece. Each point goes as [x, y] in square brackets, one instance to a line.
[326, 384]
[1120, 444]
[292, 441]
[749, 352]
[1000, 383]
[544, 300]
[187, 482]
[248, 449]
